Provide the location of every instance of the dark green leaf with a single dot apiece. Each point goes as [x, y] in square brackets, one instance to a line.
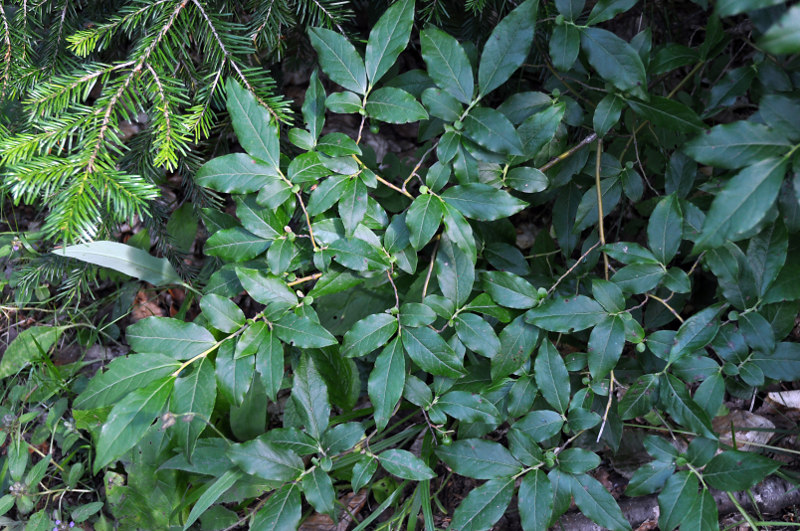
[605, 346]
[669, 114]
[282, 512]
[222, 313]
[468, 407]
[597, 504]
[266, 460]
[252, 124]
[235, 245]
[678, 403]
[479, 459]
[539, 129]
[404, 464]
[665, 228]
[234, 376]
[447, 63]
[552, 377]
[339, 59]
[491, 130]
[310, 395]
[703, 514]
[517, 341]
[566, 315]
[540, 425]
[481, 201]
[607, 9]
[431, 353]
[423, 219]
[639, 278]
[676, 499]
[507, 46]
[386, 381]
[303, 332]
[455, 272]
[237, 173]
[363, 471]
[368, 334]
[29, 345]
[526, 179]
[358, 255]
[578, 460]
[483, 506]
[265, 288]
[193, 400]
[607, 113]
[477, 334]
[394, 106]
[639, 398]
[442, 105]
[783, 37]
[535, 501]
[343, 102]
[733, 470]
[509, 289]
[387, 39]
[695, 333]
[649, 478]
[565, 43]
[175, 338]
[314, 106]
[614, 59]
[737, 144]
[318, 490]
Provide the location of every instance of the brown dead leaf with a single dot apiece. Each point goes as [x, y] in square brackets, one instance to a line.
[146, 305]
[322, 522]
[747, 427]
[787, 399]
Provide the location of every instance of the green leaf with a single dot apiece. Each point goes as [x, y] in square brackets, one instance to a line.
[353, 205]
[274, 194]
[237, 173]
[265, 288]
[577, 460]
[122, 376]
[363, 471]
[235, 245]
[551, 376]
[517, 341]
[447, 63]
[728, 8]
[605, 10]
[222, 313]
[279, 255]
[416, 314]
[314, 106]
[282, 512]
[442, 105]
[310, 395]
[479, 459]
[733, 470]
[386, 381]
[172, 337]
[219, 487]
[676, 499]
[483, 506]
[302, 332]
[678, 403]
[665, 228]
[318, 490]
[609, 295]
[607, 113]
[744, 201]
[476, 334]
[540, 425]
[423, 218]
[605, 346]
[459, 231]
[482, 202]
[394, 106]
[736, 145]
[468, 407]
[344, 103]
[491, 130]
[639, 278]
[695, 333]
[565, 44]
[125, 259]
[29, 345]
[615, 60]
[783, 37]
[649, 478]
[539, 129]
[234, 375]
[368, 334]
[358, 255]
[129, 420]
[405, 465]
[193, 400]
[431, 353]
[263, 222]
[252, 124]
[507, 47]
[639, 398]
[766, 255]
[388, 38]
[597, 504]
[566, 315]
[703, 514]
[339, 59]
[338, 145]
[509, 290]
[526, 179]
[266, 460]
[668, 114]
[535, 501]
[629, 253]
[782, 364]
[455, 272]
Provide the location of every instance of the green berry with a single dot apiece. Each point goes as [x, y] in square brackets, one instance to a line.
[308, 300]
[640, 348]
[458, 125]
[296, 189]
[733, 315]
[424, 189]
[446, 440]
[559, 20]
[374, 129]
[541, 293]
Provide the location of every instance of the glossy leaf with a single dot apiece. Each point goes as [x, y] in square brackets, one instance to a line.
[394, 106]
[252, 124]
[368, 334]
[507, 46]
[479, 459]
[483, 506]
[386, 381]
[605, 346]
[736, 145]
[423, 219]
[193, 398]
[676, 499]
[597, 504]
[125, 259]
[552, 377]
[566, 315]
[303, 332]
[404, 464]
[481, 201]
[281, 512]
[237, 173]
[339, 59]
[388, 38]
[491, 130]
[535, 501]
[447, 63]
[431, 353]
[169, 336]
[614, 59]
[734, 470]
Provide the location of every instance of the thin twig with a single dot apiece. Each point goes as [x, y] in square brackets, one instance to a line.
[572, 268]
[600, 227]
[430, 267]
[567, 154]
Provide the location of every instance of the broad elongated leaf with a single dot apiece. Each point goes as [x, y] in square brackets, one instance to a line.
[509, 290]
[222, 313]
[404, 464]
[353, 205]
[565, 44]
[314, 106]
[455, 271]
[676, 499]
[265, 288]
[386, 381]
[130, 419]
[703, 514]
[490, 129]
[607, 9]
[253, 125]
[507, 46]
[605, 346]
[447, 63]
[736, 145]
[168, 336]
[743, 202]
[665, 229]
[339, 59]
[479, 459]
[695, 333]
[423, 219]
[122, 376]
[303, 332]
[733, 470]
[234, 375]
[650, 477]
[193, 400]
[237, 173]
[212, 494]
[481, 201]
[394, 106]
[431, 353]
[614, 59]
[125, 259]
[783, 37]
[669, 114]
[477, 335]
[552, 377]
[266, 460]
[597, 504]
[535, 501]
[566, 315]
[282, 512]
[368, 334]
[517, 341]
[483, 506]
[468, 407]
[235, 244]
[388, 38]
[318, 490]
[310, 394]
